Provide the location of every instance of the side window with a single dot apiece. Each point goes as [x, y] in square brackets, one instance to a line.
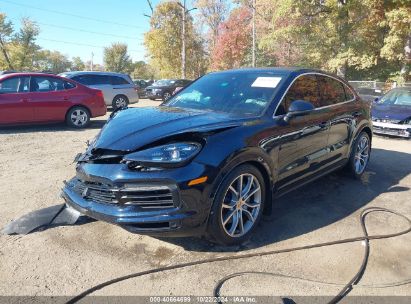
[69, 85]
[332, 91]
[304, 88]
[116, 80]
[15, 85]
[83, 79]
[349, 95]
[46, 84]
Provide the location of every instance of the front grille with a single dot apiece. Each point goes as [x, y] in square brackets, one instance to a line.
[145, 197]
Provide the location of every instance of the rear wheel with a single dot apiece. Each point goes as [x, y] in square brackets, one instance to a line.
[120, 101]
[360, 155]
[78, 117]
[237, 206]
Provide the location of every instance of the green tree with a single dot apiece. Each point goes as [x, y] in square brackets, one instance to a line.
[51, 61]
[6, 30]
[163, 42]
[143, 70]
[24, 45]
[116, 58]
[77, 64]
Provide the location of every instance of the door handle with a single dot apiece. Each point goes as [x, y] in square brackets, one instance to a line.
[65, 98]
[24, 100]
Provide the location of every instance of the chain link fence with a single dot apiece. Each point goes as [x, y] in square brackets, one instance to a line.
[377, 85]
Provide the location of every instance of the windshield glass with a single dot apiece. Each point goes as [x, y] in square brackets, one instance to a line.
[243, 93]
[397, 97]
[164, 82]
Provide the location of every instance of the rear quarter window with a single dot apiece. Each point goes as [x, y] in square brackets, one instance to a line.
[117, 80]
[331, 91]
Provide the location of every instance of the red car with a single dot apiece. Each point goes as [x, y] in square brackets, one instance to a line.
[40, 98]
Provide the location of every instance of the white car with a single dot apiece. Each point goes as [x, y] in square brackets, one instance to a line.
[118, 89]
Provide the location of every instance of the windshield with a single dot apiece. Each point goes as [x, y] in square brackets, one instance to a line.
[397, 97]
[247, 94]
[164, 82]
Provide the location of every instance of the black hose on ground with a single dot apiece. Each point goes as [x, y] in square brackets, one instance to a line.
[343, 292]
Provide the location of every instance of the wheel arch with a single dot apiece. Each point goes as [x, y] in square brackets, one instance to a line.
[78, 105]
[258, 160]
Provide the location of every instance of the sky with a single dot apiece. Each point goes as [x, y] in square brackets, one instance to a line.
[65, 26]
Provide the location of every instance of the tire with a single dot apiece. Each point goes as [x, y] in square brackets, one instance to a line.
[228, 213]
[360, 156]
[166, 96]
[120, 101]
[78, 117]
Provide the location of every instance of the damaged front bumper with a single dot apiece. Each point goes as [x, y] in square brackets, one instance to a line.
[146, 203]
[393, 129]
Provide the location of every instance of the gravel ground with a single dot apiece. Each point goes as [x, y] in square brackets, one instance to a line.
[34, 161]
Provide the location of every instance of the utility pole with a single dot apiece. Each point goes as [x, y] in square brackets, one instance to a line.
[183, 37]
[91, 62]
[254, 38]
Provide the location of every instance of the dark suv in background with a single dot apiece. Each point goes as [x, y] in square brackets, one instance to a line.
[164, 89]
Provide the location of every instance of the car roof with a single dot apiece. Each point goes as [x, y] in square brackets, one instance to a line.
[27, 74]
[74, 73]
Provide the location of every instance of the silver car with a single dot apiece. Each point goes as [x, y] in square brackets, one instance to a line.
[118, 89]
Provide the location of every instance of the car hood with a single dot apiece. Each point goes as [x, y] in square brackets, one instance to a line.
[133, 128]
[393, 112]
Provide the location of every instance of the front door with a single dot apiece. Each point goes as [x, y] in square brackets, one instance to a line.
[48, 98]
[14, 100]
[302, 146]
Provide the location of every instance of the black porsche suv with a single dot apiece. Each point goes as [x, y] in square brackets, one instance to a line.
[212, 159]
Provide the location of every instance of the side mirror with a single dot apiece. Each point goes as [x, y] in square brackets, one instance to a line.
[298, 108]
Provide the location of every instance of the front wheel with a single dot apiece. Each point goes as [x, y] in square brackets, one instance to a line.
[166, 96]
[360, 155]
[78, 117]
[238, 206]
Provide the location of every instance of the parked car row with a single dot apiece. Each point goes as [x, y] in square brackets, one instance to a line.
[41, 98]
[75, 97]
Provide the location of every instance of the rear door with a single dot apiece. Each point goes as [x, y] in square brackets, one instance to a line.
[123, 86]
[303, 142]
[339, 100]
[14, 100]
[49, 98]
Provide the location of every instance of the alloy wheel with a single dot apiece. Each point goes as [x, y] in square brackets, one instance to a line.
[166, 96]
[120, 102]
[241, 205]
[362, 154]
[79, 117]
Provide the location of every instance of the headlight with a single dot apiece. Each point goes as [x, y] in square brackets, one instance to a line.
[170, 154]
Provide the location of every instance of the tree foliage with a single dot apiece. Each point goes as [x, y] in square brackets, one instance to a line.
[163, 42]
[234, 42]
[116, 58]
[349, 37]
[212, 13]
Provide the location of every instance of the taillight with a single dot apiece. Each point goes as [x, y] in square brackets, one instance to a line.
[100, 94]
